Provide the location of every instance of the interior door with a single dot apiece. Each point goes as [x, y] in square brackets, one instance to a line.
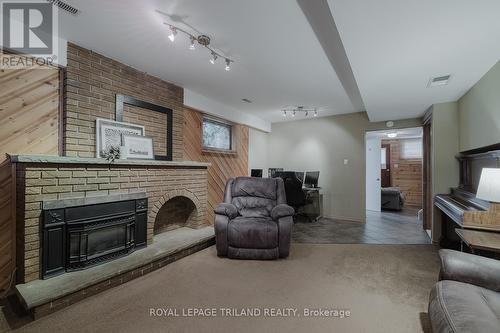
[373, 149]
[427, 178]
[386, 168]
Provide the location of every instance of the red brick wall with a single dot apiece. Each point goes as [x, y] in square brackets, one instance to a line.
[406, 174]
[175, 213]
[92, 82]
[155, 124]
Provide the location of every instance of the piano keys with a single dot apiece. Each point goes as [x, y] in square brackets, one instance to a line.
[461, 208]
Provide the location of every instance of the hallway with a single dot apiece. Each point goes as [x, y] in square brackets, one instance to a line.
[380, 228]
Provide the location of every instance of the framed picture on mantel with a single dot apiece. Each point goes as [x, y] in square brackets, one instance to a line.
[109, 134]
[137, 147]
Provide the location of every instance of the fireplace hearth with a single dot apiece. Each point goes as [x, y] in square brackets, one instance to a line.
[81, 233]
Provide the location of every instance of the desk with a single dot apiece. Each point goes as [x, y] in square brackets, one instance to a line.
[315, 209]
[479, 240]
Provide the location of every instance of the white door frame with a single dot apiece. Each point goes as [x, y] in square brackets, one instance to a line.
[373, 148]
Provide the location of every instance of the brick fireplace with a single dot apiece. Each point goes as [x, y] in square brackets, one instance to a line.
[177, 219]
[176, 192]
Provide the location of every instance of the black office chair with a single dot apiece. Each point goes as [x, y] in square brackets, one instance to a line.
[295, 196]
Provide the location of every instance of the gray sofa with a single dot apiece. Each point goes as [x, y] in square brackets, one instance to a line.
[467, 297]
[254, 221]
[392, 198]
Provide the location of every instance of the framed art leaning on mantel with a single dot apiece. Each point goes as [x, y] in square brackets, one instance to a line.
[109, 134]
[122, 100]
[137, 147]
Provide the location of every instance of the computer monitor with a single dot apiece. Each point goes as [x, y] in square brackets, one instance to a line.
[256, 173]
[272, 172]
[311, 179]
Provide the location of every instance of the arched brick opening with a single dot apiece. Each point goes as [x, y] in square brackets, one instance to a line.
[180, 208]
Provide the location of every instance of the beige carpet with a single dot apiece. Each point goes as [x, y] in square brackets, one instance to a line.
[385, 288]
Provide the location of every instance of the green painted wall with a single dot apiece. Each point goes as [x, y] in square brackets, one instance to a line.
[479, 112]
[444, 148]
[323, 144]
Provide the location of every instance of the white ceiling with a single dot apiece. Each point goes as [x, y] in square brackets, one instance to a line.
[392, 46]
[396, 46]
[278, 60]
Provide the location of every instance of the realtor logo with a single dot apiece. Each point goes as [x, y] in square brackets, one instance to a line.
[27, 27]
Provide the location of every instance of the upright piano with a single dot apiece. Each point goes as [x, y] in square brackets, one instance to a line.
[461, 208]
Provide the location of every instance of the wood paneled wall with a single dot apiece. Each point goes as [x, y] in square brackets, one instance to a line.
[29, 123]
[224, 166]
[29, 111]
[406, 174]
[7, 226]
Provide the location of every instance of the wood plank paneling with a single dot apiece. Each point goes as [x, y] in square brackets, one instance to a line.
[29, 111]
[224, 166]
[29, 123]
[406, 174]
[7, 226]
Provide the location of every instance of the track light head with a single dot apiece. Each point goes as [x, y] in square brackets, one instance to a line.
[315, 113]
[284, 113]
[214, 58]
[192, 46]
[293, 113]
[228, 64]
[173, 32]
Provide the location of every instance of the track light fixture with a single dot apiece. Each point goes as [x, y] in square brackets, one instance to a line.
[294, 109]
[204, 41]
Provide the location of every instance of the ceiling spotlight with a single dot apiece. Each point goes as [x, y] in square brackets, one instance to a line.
[315, 113]
[214, 58]
[228, 64]
[173, 32]
[192, 46]
[293, 114]
[284, 113]
[392, 135]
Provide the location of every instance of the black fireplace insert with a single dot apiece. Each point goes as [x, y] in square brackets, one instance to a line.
[77, 237]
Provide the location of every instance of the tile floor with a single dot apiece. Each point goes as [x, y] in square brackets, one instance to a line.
[380, 228]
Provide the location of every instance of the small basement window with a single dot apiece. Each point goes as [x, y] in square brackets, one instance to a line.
[217, 135]
[411, 149]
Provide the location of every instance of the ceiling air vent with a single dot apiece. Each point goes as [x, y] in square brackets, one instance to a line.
[64, 6]
[439, 81]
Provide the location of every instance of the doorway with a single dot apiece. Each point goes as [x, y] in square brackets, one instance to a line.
[385, 169]
[394, 183]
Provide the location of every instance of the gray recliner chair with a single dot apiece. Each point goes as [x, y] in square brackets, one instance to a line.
[254, 221]
[467, 297]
